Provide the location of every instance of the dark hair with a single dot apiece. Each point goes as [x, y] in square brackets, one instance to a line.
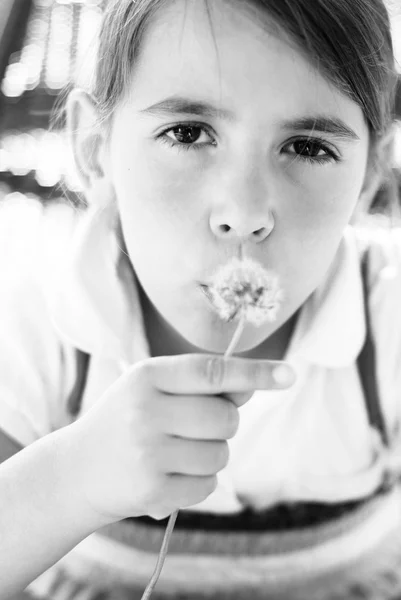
[348, 40]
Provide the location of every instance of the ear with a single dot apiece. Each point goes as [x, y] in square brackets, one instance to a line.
[88, 142]
[380, 161]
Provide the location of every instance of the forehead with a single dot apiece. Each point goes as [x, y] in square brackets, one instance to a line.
[230, 54]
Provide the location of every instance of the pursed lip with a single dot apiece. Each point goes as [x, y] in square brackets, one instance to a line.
[206, 290]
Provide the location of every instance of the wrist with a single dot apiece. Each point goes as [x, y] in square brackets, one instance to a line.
[70, 482]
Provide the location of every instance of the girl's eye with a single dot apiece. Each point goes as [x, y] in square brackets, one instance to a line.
[187, 136]
[312, 150]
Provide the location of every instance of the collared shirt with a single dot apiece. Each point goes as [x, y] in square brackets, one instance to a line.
[311, 442]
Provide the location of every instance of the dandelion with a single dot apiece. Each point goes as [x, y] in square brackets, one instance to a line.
[244, 288]
[240, 290]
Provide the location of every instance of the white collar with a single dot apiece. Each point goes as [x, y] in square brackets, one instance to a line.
[95, 303]
[331, 327]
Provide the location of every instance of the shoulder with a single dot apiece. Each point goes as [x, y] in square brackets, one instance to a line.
[383, 245]
[34, 240]
[382, 241]
[33, 237]
[33, 362]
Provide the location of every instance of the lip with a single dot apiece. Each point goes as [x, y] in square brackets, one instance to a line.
[204, 287]
[206, 291]
[208, 297]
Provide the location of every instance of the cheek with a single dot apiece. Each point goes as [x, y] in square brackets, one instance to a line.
[161, 210]
[157, 184]
[314, 213]
[326, 198]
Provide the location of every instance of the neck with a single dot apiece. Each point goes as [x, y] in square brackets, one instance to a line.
[275, 346]
[163, 339]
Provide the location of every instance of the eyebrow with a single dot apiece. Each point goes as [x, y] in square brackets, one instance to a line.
[322, 124]
[178, 105]
[184, 106]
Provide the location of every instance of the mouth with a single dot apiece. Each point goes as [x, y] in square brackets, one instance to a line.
[206, 290]
[244, 289]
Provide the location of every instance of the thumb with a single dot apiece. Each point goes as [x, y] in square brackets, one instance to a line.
[239, 398]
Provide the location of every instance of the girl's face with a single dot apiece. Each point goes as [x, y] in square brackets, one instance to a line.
[225, 125]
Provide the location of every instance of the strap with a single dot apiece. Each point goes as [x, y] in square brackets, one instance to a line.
[8, 446]
[74, 400]
[366, 363]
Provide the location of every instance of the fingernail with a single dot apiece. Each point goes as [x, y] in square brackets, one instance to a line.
[284, 375]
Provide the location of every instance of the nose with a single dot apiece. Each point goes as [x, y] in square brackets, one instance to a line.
[242, 202]
[242, 225]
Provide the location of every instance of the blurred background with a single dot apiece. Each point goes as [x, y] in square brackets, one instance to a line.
[46, 45]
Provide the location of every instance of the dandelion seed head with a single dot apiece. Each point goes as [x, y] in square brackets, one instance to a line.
[245, 288]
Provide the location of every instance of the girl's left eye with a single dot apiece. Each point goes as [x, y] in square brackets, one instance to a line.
[191, 136]
[312, 150]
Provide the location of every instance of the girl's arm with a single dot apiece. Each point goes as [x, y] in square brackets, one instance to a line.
[42, 513]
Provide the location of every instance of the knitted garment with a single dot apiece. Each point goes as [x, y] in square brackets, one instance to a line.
[356, 556]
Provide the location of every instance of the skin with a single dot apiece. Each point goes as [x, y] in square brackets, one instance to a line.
[186, 210]
[155, 440]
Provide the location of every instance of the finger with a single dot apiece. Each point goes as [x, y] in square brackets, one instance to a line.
[214, 374]
[183, 491]
[192, 457]
[196, 417]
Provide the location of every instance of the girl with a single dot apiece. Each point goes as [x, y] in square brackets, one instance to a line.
[212, 131]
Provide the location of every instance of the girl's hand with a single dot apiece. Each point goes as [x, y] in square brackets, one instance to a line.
[157, 437]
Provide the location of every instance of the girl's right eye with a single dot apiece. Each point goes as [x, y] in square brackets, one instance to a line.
[191, 136]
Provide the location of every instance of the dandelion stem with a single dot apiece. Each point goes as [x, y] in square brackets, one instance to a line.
[162, 556]
[173, 517]
[237, 335]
